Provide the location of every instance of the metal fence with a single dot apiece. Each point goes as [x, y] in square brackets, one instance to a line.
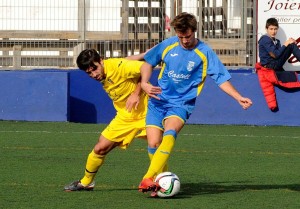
[51, 33]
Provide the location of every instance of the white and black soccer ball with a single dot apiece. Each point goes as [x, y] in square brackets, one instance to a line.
[169, 183]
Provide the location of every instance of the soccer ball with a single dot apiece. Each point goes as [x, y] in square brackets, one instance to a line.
[169, 183]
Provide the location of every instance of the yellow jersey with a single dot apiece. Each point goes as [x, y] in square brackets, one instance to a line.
[122, 76]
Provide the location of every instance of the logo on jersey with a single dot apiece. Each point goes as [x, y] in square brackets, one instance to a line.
[174, 55]
[190, 66]
[178, 77]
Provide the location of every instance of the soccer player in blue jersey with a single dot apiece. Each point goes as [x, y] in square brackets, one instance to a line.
[186, 61]
[120, 78]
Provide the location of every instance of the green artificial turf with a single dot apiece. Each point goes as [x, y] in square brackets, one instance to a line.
[219, 166]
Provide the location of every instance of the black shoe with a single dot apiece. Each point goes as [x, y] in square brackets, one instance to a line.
[77, 186]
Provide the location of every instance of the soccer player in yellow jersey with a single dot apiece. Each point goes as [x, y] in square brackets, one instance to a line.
[120, 78]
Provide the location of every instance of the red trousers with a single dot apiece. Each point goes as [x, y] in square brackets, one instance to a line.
[268, 79]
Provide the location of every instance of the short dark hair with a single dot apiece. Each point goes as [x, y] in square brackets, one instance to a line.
[86, 59]
[184, 21]
[272, 21]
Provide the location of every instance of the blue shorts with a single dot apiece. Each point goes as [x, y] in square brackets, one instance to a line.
[156, 114]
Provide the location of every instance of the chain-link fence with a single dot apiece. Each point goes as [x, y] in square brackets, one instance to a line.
[51, 33]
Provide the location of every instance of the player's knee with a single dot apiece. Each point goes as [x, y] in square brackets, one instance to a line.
[154, 143]
[104, 149]
[99, 151]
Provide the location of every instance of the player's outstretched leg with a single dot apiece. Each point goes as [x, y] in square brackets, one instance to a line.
[158, 162]
[94, 161]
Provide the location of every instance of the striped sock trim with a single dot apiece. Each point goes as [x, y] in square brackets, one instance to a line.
[152, 150]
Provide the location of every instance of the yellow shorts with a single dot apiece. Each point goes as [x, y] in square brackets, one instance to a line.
[123, 131]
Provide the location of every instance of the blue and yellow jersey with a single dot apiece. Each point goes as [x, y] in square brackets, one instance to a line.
[183, 77]
[122, 76]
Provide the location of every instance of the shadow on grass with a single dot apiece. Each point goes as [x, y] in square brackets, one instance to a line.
[192, 189]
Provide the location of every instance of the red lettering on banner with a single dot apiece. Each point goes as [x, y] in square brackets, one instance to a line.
[282, 6]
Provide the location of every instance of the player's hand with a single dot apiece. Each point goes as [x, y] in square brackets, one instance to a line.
[245, 102]
[132, 102]
[152, 91]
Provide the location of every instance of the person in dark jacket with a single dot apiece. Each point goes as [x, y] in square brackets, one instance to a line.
[271, 53]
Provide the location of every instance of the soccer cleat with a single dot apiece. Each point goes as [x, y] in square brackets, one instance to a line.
[154, 194]
[148, 185]
[77, 186]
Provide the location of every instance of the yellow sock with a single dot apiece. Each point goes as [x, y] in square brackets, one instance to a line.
[161, 156]
[151, 152]
[93, 163]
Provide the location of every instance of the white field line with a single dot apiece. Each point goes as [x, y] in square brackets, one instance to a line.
[241, 135]
[56, 132]
[180, 134]
[177, 150]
